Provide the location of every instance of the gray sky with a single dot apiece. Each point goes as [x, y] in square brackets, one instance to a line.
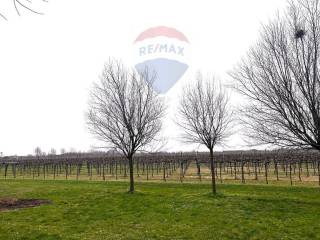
[48, 62]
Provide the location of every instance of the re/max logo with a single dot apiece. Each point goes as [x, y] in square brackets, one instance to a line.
[161, 48]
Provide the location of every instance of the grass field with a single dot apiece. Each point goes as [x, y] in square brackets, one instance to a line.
[104, 210]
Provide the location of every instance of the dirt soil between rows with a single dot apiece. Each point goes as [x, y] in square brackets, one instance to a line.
[14, 203]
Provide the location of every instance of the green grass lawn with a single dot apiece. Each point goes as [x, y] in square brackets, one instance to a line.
[104, 210]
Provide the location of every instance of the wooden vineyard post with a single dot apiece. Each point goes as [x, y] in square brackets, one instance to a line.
[6, 171]
[220, 167]
[14, 170]
[290, 173]
[307, 165]
[54, 171]
[33, 171]
[77, 171]
[109, 167]
[137, 166]
[181, 171]
[43, 170]
[276, 168]
[91, 169]
[299, 165]
[80, 167]
[116, 171]
[147, 171]
[158, 164]
[103, 171]
[112, 167]
[319, 171]
[66, 168]
[242, 172]
[38, 170]
[266, 171]
[255, 170]
[143, 168]
[199, 170]
[125, 169]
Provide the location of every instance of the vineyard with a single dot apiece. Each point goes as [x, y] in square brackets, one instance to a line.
[287, 167]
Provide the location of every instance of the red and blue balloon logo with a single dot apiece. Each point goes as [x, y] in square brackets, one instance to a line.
[163, 50]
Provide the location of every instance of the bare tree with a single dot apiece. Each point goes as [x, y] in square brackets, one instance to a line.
[37, 151]
[204, 116]
[280, 77]
[124, 111]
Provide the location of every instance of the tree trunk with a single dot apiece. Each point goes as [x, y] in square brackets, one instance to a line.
[213, 175]
[130, 158]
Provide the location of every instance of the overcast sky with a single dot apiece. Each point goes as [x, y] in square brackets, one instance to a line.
[48, 62]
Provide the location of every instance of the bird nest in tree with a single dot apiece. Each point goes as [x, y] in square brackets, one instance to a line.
[300, 33]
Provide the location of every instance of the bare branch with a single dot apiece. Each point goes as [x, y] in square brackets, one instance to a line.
[3, 17]
[27, 5]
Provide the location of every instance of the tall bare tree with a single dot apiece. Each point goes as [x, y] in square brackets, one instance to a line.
[204, 116]
[124, 111]
[280, 77]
